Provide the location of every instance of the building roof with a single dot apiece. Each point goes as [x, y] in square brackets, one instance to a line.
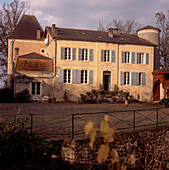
[162, 70]
[95, 36]
[26, 28]
[34, 62]
[149, 27]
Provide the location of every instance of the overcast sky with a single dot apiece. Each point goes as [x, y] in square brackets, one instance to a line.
[85, 14]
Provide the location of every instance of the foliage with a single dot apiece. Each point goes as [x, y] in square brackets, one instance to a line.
[10, 14]
[163, 25]
[127, 27]
[19, 149]
[108, 135]
[23, 96]
[7, 95]
[165, 102]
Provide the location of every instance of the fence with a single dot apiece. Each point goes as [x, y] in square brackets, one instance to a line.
[72, 126]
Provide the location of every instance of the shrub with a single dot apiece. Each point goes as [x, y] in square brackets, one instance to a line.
[7, 95]
[165, 102]
[23, 96]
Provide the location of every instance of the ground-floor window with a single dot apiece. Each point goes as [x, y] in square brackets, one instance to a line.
[35, 88]
[126, 78]
[67, 76]
[84, 76]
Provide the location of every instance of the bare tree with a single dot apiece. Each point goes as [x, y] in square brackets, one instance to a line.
[127, 27]
[163, 25]
[10, 14]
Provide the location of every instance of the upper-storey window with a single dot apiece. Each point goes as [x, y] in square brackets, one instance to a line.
[128, 57]
[108, 56]
[68, 53]
[142, 58]
[85, 54]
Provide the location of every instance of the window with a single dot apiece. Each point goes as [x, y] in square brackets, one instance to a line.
[84, 76]
[84, 54]
[42, 50]
[127, 57]
[67, 76]
[126, 78]
[67, 53]
[140, 79]
[106, 55]
[35, 88]
[140, 58]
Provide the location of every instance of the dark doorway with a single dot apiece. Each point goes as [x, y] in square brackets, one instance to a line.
[106, 80]
[157, 90]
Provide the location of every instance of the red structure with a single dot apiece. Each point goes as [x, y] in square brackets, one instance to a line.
[161, 83]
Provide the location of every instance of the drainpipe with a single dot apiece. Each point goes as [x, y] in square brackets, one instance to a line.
[117, 66]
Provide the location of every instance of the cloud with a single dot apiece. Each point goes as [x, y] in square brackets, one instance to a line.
[86, 14]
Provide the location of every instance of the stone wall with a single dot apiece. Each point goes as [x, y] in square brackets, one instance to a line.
[150, 147]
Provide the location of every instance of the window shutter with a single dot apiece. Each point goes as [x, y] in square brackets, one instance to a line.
[113, 56]
[62, 53]
[147, 58]
[78, 76]
[74, 78]
[137, 58]
[91, 55]
[133, 82]
[143, 79]
[74, 54]
[102, 55]
[61, 75]
[123, 57]
[80, 54]
[91, 77]
[137, 79]
[122, 78]
[133, 57]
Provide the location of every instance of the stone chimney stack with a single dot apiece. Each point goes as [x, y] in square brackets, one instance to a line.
[110, 32]
[53, 27]
[38, 34]
[116, 30]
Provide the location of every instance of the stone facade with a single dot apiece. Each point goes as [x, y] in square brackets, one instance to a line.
[84, 60]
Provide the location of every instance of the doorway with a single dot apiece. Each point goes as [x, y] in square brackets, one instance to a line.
[106, 80]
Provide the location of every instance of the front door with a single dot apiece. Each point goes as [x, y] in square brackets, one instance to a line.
[106, 80]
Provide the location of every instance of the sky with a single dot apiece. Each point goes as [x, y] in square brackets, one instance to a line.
[86, 14]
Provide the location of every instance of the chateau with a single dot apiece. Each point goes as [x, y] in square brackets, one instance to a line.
[48, 62]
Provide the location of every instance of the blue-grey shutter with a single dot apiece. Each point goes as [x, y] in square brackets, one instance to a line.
[123, 57]
[74, 78]
[80, 54]
[133, 82]
[102, 55]
[113, 55]
[62, 53]
[133, 57]
[121, 78]
[143, 79]
[147, 58]
[61, 71]
[137, 58]
[91, 55]
[74, 54]
[91, 77]
[137, 79]
[78, 75]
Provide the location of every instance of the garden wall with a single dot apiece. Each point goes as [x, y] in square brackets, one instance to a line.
[150, 147]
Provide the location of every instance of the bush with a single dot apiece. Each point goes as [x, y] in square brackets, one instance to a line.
[165, 102]
[7, 95]
[23, 96]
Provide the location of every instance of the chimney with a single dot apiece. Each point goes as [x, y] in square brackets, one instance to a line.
[38, 34]
[116, 30]
[53, 28]
[110, 32]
